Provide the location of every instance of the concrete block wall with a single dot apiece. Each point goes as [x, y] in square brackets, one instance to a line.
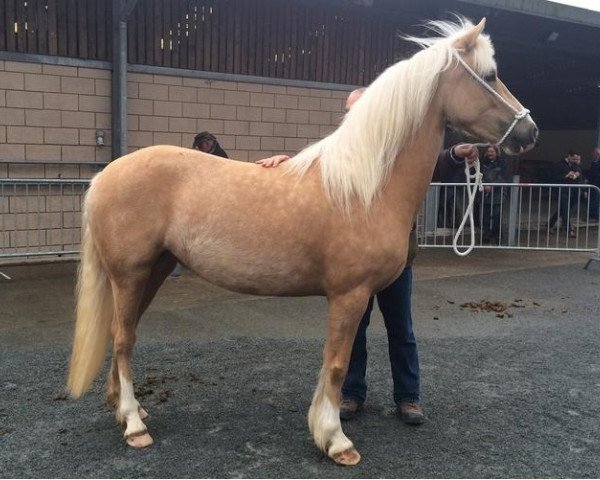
[51, 113]
[250, 120]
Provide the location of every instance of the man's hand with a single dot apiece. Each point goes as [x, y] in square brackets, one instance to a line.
[273, 161]
[572, 175]
[467, 151]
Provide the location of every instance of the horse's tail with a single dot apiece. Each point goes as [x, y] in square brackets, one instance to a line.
[94, 315]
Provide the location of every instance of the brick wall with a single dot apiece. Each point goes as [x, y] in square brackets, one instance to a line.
[50, 112]
[250, 120]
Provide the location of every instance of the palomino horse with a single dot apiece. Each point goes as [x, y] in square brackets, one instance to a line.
[335, 222]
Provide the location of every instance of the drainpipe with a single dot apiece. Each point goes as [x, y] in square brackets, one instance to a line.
[121, 9]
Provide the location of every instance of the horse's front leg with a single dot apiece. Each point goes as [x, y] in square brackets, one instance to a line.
[345, 312]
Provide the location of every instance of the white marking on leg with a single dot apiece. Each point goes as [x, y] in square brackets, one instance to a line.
[324, 423]
[128, 410]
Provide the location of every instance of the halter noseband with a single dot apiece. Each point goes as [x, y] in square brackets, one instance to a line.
[519, 114]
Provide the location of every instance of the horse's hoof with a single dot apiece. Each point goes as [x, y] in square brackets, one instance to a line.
[139, 439]
[143, 413]
[348, 457]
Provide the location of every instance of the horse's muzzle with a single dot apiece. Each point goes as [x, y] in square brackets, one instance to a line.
[523, 137]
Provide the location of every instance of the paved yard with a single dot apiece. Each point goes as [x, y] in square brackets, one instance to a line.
[227, 379]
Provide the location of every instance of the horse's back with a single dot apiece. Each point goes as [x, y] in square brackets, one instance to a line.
[158, 175]
[236, 224]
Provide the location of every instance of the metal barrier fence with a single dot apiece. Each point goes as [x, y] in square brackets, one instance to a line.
[514, 216]
[41, 219]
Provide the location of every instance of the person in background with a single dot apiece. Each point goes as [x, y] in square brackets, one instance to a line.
[395, 305]
[495, 170]
[567, 171]
[594, 179]
[206, 142]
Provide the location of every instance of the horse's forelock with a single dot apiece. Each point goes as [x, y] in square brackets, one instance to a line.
[447, 33]
[483, 56]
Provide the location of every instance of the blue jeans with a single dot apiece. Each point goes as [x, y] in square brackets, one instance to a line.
[394, 303]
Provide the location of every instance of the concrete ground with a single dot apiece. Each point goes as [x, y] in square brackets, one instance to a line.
[227, 379]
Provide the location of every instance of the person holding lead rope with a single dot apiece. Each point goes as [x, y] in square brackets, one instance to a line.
[395, 305]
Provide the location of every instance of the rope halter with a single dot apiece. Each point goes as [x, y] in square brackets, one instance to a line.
[519, 114]
[478, 176]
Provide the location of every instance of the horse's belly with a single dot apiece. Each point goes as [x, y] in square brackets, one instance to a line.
[255, 272]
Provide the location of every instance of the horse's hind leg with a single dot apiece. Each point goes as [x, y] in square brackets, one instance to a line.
[113, 391]
[128, 294]
[160, 270]
[324, 423]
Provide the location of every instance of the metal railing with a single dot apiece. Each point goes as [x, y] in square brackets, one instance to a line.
[40, 219]
[514, 216]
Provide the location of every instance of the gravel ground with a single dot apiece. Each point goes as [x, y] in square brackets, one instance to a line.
[516, 396]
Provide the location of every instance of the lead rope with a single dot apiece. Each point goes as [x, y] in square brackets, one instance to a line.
[471, 193]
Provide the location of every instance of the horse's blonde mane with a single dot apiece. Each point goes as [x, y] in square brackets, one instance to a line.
[357, 158]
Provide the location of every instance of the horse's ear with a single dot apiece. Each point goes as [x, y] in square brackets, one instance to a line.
[467, 41]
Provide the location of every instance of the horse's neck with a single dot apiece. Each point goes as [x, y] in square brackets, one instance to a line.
[413, 169]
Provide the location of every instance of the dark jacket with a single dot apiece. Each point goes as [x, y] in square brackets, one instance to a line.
[594, 173]
[562, 168]
[218, 151]
[495, 172]
[448, 167]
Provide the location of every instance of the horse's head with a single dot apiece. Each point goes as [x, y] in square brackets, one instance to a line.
[474, 99]
[453, 79]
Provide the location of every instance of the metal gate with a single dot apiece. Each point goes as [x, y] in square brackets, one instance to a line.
[514, 216]
[40, 218]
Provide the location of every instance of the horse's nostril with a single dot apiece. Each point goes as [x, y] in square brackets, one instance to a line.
[536, 131]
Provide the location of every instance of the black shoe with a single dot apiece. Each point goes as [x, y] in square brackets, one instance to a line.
[349, 408]
[410, 413]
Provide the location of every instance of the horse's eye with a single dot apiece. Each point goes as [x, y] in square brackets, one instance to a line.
[490, 77]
